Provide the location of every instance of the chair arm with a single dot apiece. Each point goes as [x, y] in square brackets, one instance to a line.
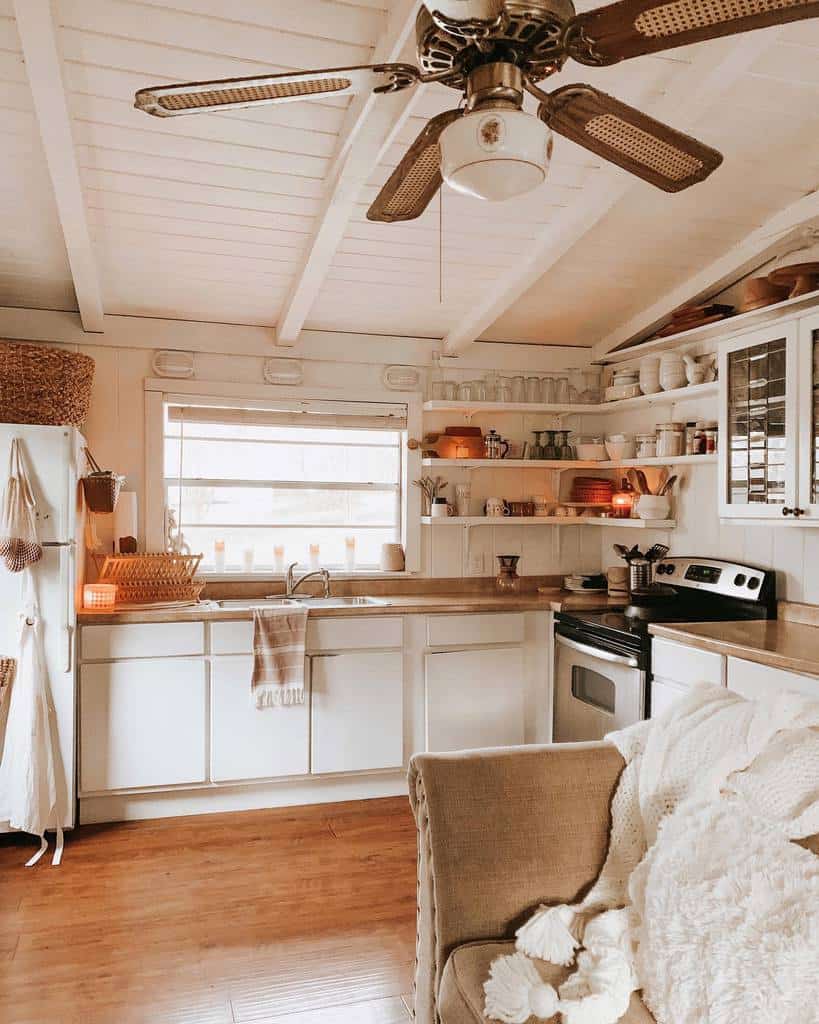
[500, 831]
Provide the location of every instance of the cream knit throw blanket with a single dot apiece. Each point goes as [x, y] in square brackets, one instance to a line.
[703, 901]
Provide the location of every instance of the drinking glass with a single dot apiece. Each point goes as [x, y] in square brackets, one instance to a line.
[504, 390]
[548, 391]
[478, 391]
[562, 391]
[550, 451]
[565, 450]
[536, 451]
[532, 389]
[465, 391]
[450, 391]
[491, 385]
[518, 389]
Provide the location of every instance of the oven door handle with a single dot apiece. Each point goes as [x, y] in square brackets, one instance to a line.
[596, 652]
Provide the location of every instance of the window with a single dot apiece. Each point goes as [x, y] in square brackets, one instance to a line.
[269, 482]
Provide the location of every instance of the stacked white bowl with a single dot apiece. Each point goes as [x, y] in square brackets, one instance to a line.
[650, 375]
[672, 371]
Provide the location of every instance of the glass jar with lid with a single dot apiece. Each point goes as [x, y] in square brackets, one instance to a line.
[646, 446]
[670, 439]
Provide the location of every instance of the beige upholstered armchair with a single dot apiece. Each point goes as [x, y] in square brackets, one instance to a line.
[499, 832]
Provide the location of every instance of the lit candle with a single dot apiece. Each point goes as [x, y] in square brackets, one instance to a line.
[349, 553]
[219, 555]
[99, 596]
[315, 552]
[278, 557]
[247, 559]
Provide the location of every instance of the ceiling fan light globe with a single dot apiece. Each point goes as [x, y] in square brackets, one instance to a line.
[495, 154]
[466, 10]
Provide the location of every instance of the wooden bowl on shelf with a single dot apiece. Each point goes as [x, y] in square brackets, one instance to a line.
[800, 278]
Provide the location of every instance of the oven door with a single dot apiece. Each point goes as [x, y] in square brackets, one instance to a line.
[596, 691]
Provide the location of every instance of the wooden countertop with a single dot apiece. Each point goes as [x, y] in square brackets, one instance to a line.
[399, 604]
[778, 643]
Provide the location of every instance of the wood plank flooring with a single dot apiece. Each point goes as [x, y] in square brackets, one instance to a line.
[292, 916]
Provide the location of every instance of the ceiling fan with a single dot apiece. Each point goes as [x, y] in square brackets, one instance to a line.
[493, 52]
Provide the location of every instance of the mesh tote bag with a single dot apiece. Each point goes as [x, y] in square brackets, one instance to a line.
[19, 546]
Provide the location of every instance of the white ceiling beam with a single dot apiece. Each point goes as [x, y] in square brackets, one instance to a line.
[692, 92]
[370, 127]
[757, 248]
[35, 25]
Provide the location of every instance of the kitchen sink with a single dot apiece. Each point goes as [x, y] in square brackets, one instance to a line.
[301, 600]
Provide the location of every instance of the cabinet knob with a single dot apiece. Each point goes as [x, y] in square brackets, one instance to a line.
[798, 512]
[788, 511]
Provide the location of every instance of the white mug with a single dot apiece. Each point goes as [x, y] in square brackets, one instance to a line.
[496, 507]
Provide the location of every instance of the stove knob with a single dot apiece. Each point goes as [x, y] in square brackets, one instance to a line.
[753, 583]
[739, 580]
[660, 570]
[670, 570]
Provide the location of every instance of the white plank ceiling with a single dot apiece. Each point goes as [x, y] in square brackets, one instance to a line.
[208, 217]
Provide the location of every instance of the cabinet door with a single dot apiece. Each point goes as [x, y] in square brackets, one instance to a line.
[475, 699]
[759, 424]
[664, 693]
[248, 742]
[752, 680]
[808, 497]
[142, 723]
[357, 711]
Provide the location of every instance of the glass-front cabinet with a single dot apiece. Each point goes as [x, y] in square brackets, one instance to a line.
[808, 504]
[760, 426]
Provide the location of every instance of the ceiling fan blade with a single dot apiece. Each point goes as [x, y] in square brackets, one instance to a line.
[417, 178]
[629, 138]
[634, 27]
[230, 93]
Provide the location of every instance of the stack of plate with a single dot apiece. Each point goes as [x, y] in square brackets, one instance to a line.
[592, 490]
[585, 583]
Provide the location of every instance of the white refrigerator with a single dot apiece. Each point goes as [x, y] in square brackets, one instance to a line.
[54, 462]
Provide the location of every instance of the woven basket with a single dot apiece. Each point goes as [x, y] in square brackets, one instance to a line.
[7, 667]
[40, 384]
[102, 491]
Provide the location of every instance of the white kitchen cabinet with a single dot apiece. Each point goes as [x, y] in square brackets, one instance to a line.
[248, 742]
[664, 693]
[357, 711]
[759, 424]
[475, 698]
[752, 680]
[142, 723]
[685, 665]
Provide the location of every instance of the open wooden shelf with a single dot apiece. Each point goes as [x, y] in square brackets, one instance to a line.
[639, 524]
[566, 464]
[632, 524]
[603, 409]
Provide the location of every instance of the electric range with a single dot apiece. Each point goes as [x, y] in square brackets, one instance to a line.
[603, 659]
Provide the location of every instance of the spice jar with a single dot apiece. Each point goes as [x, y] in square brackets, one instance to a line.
[699, 439]
[711, 435]
[670, 439]
[690, 431]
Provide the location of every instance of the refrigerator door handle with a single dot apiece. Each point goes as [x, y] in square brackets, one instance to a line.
[58, 543]
[67, 584]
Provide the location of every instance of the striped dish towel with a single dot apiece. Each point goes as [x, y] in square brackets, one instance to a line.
[278, 656]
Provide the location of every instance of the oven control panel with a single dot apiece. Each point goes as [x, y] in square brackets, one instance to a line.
[728, 579]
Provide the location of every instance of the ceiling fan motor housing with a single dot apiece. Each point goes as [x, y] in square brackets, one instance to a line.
[495, 151]
[530, 36]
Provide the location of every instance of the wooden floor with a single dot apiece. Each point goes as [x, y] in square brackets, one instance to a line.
[273, 917]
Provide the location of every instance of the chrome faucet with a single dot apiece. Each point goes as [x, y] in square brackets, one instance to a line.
[291, 584]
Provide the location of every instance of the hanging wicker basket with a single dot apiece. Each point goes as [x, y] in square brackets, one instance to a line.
[40, 384]
[7, 667]
[101, 487]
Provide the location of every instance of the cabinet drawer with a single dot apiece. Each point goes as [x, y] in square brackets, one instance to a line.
[463, 630]
[664, 693]
[142, 640]
[755, 681]
[679, 663]
[365, 631]
[142, 723]
[249, 743]
[231, 637]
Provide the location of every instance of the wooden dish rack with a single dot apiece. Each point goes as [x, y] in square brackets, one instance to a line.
[151, 578]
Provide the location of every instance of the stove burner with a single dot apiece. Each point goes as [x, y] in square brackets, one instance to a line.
[645, 599]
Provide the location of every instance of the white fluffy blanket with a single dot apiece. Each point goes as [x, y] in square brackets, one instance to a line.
[703, 901]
